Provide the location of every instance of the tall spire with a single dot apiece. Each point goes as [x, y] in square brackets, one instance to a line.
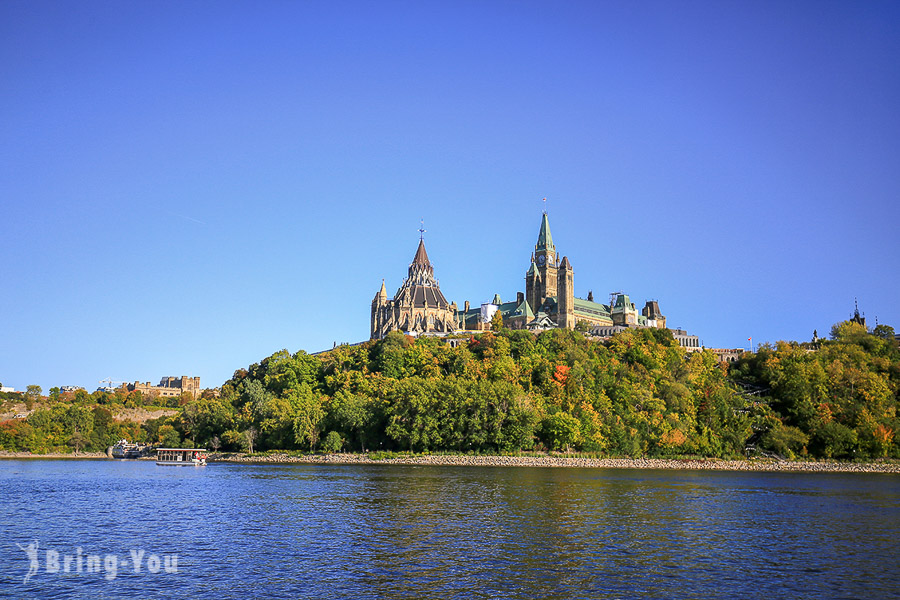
[545, 240]
[421, 271]
[421, 257]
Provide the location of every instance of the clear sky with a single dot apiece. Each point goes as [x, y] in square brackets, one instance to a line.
[187, 187]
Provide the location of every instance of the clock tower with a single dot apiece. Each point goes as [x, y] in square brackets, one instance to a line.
[541, 279]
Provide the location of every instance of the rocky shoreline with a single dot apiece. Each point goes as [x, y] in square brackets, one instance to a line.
[709, 464]
[565, 461]
[80, 455]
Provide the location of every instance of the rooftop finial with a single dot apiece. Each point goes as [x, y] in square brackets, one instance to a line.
[545, 205]
[422, 230]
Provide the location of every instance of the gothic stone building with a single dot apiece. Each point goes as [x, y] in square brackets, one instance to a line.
[548, 301]
[417, 307]
[168, 386]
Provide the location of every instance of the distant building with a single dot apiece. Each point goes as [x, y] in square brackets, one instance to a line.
[7, 389]
[70, 388]
[857, 318]
[728, 355]
[168, 386]
[684, 339]
[417, 307]
[548, 301]
[550, 295]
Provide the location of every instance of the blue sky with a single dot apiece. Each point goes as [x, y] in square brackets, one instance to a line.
[187, 187]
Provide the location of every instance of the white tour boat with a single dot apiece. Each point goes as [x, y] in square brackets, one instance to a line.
[181, 456]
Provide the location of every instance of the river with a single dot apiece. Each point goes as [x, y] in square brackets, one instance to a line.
[131, 529]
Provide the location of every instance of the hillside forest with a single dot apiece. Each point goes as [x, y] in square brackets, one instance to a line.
[636, 394]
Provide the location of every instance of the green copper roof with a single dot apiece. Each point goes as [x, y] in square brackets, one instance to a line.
[545, 240]
[623, 302]
[592, 308]
[513, 309]
[525, 309]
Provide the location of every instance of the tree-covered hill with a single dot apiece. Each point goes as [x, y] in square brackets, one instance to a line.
[636, 394]
[834, 398]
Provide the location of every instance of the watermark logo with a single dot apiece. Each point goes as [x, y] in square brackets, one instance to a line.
[32, 551]
[107, 565]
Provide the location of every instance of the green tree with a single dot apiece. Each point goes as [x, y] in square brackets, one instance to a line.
[32, 395]
[848, 331]
[353, 414]
[332, 442]
[275, 417]
[497, 322]
[250, 436]
[561, 431]
[414, 415]
[77, 441]
[884, 331]
[583, 326]
[309, 415]
[389, 354]
[204, 418]
[235, 440]
[784, 440]
[834, 440]
[168, 437]
[284, 372]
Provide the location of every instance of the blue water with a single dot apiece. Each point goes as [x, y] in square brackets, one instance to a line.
[257, 531]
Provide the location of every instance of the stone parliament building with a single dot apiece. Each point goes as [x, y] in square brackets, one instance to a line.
[420, 308]
[168, 387]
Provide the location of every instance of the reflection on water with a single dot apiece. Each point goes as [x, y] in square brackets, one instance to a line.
[411, 532]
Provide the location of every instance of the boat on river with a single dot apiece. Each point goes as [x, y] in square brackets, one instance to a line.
[181, 456]
[126, 449]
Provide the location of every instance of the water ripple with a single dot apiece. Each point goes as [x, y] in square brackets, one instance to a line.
[310, 531]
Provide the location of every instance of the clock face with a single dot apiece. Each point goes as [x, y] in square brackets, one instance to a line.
[541, 259]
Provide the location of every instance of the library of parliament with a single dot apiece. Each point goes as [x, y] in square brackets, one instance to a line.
[419, 307]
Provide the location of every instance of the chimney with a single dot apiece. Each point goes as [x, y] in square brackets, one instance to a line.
[520, 297]
[467, 306]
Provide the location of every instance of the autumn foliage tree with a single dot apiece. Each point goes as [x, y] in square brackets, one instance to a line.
[637, 393]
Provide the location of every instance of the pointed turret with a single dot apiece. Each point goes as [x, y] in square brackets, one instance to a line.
[545, 240]
[379, 302]
[565, 295]
[421, 257]
[421, 270]
[545, 264]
